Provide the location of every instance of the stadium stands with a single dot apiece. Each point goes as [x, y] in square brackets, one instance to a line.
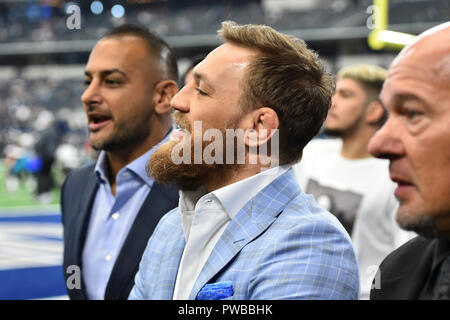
[174, 18]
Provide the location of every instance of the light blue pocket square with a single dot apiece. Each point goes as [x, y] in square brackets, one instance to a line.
[216, 291]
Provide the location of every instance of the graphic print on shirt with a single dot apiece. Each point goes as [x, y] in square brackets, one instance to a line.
[342, 203]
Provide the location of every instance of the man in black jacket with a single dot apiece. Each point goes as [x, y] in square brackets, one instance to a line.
[110, 208]
[416, 140]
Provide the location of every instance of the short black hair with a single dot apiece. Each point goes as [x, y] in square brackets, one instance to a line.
[155, 44]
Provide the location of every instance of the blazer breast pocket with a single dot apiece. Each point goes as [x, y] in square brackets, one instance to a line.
[216, 291]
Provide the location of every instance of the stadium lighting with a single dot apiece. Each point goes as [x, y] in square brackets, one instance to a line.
[69, 4]
[97, 7]
[118, 11]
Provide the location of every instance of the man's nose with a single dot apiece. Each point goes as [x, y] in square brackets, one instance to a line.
[181, 101]
[386, 143]
[91, 94]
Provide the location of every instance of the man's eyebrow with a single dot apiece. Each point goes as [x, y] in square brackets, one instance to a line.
[345, 90]
[200, 76]
[400, 98]
[107, 72]
[403, 97]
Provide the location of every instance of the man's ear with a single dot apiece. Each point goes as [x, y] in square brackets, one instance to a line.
[163, 93]
[265, 122]
[374, 112]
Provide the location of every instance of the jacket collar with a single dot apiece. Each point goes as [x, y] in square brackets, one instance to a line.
[255, 217]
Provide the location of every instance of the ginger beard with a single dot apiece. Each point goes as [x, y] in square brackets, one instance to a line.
[189, 176]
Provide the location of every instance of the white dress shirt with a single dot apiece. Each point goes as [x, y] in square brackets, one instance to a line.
[205, 217]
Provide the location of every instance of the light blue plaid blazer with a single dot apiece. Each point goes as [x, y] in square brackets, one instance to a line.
[280, 245]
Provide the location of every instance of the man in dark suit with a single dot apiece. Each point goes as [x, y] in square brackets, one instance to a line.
[416, 140]
[109, 209]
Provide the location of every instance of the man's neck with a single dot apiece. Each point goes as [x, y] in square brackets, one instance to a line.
[355, 146]
[120, 158]
[232, 176]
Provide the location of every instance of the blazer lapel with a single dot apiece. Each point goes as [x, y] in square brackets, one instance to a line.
[84, 211]
[80, 226]
[252, 220]
[160, 200]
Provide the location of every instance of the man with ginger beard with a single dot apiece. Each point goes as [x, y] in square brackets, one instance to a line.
[110, 209]
[416, 141]
[192, 165]
[245, 230]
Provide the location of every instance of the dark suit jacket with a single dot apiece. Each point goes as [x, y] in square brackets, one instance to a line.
[77, 197]
[409, 273]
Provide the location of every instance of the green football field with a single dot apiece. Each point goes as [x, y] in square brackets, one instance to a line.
[31, 243]
[23, 196]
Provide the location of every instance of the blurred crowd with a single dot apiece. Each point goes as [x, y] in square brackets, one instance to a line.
[48, 23]
[42, 130]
